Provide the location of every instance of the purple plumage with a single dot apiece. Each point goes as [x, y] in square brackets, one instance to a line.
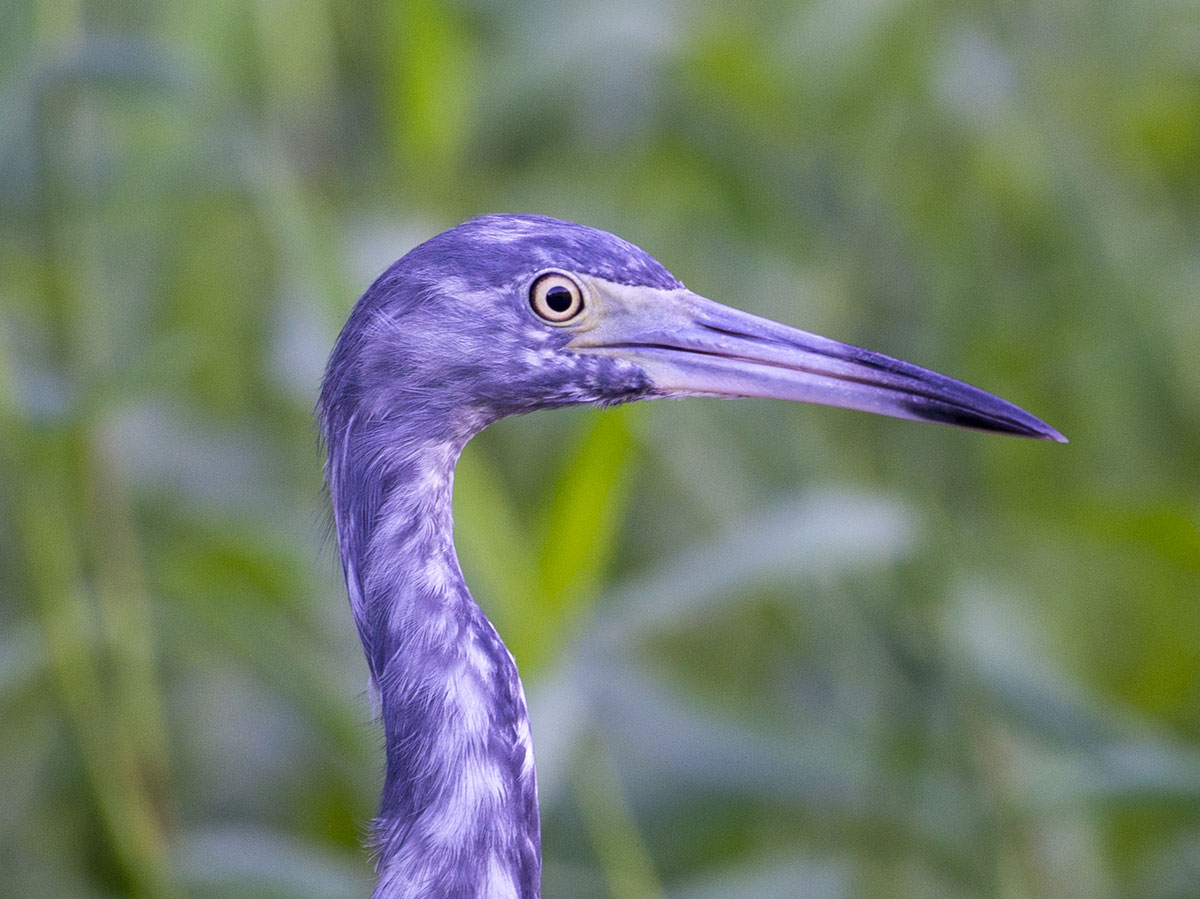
[438, 348]
[502, 315]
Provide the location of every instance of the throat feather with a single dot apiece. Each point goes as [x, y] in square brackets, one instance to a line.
[459, 815]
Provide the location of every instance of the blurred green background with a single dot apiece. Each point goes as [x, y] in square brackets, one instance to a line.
[771, 650]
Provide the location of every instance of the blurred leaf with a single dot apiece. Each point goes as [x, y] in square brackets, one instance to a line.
[811, 535]
[540, 582]
[582, 517]
[620, 849]
[1087, 752]
[669, 746]
[494, 546]
[430, 88]
[580, 528]
[1171, 872]
[245, 862]
[23, 662]
[769, 877]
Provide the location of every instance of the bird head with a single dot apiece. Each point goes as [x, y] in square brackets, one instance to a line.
[510, 313]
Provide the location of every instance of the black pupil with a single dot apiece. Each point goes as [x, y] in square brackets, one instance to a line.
[559, 299]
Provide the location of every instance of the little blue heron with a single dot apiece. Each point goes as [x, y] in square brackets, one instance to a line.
[501, 315]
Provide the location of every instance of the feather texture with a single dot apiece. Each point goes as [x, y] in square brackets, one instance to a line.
[440, 346]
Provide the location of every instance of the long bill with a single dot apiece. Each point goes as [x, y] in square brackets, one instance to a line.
[691, 346]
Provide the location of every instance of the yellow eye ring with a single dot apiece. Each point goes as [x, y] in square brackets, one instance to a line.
[556, 298]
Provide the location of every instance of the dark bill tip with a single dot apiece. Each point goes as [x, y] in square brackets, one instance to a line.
[1021, 425]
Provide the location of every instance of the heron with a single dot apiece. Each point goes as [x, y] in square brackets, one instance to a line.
[506, 314]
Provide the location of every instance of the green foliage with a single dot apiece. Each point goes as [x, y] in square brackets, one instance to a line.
[770, 650]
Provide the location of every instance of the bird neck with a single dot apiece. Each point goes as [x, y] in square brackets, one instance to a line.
[459, 814]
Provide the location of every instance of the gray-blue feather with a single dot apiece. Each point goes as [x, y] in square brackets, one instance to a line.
[438, 348]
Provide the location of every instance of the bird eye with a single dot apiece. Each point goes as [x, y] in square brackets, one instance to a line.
[556, 298]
